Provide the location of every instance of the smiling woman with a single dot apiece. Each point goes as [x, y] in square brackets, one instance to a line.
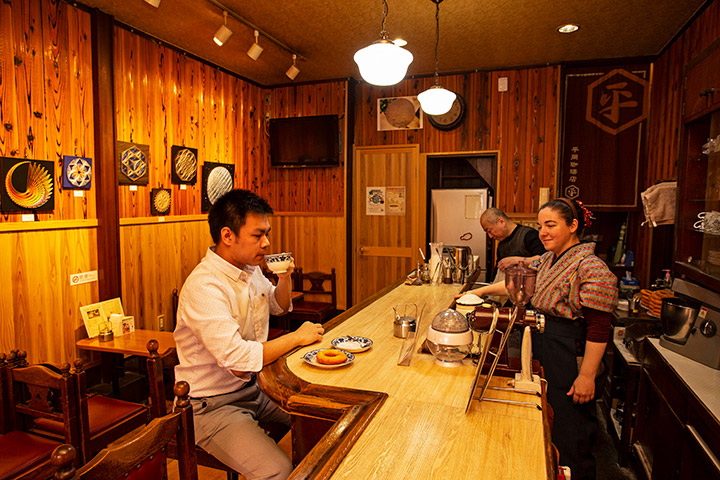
[576, 292]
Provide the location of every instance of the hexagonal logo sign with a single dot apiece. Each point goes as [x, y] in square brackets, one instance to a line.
[617, 101]
[572, 191]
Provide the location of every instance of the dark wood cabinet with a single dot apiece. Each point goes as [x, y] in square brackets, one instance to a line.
[702, 83]
[675, 437]
[697, 252]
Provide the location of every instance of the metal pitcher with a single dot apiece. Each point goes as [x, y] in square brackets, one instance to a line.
[405, 319]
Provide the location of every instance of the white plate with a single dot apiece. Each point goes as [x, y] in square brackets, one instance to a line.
[350, 343]
[311, 358]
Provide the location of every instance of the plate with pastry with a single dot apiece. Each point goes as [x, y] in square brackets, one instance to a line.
[351, 343]
[328, 358]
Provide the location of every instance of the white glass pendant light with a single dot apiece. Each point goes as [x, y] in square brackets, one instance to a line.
[436, 100]
[383, 63]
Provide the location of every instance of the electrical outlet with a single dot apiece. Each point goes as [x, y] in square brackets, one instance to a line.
[161, 322]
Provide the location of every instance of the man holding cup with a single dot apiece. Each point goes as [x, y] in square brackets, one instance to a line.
[221, 337]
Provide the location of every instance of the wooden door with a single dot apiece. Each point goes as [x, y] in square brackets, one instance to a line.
[385, 245]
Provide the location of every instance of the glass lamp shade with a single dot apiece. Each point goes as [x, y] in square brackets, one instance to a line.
[383, 63]
[436, 100]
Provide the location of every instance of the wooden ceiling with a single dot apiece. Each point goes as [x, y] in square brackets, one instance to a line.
[474, 34]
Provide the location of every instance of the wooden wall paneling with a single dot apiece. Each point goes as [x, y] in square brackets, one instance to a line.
[27, 33]
[520, 123]
[56, 81]
[551, 136]
[325, 250]
[9, 133]
[78, 138]
[157, 258]
[308, 190]
[40, 309]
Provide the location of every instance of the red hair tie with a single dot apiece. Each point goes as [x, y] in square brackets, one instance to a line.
[586, 213]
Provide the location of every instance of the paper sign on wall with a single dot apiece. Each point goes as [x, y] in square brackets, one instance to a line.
[395, 200]
[375, 201]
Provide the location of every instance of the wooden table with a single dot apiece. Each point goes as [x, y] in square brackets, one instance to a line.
[133, 343]
[414, 423]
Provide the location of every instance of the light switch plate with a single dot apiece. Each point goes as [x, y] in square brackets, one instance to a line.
[502, 84]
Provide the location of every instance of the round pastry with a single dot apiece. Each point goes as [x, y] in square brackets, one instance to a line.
[331, 357]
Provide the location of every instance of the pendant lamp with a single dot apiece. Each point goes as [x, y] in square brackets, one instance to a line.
[383, 63]
[436, 100]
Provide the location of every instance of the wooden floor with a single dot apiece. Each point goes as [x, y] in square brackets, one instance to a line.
[205, 473]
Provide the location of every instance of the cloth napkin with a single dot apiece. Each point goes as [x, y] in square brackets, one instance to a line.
[659, 203]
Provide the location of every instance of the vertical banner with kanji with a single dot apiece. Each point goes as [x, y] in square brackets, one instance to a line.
[604, 134]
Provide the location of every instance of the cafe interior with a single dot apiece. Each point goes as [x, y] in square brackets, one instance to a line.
[378, 131]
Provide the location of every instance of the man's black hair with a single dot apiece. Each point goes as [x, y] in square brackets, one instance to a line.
[231, 210]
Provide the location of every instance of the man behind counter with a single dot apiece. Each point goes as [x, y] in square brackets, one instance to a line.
[516, 243]
[222, 339]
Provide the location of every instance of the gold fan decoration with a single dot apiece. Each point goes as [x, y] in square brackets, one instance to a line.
[38, 190]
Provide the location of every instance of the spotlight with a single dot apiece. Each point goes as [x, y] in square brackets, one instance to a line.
[255, 49]
[154, 3]
[293, 71]
[223, 33]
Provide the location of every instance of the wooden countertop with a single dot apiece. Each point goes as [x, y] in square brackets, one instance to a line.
[418, 428]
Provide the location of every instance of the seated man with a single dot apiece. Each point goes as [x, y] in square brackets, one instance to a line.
[516, 243]
[221, 336]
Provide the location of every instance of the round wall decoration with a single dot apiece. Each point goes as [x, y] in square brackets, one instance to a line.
[38, 189]
[78, 172]
[161, 201]
[220, 181]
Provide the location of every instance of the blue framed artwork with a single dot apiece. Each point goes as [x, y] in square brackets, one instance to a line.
[76, 173]
[133, 163]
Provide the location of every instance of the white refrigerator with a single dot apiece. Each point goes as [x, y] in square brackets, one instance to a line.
[455, 220]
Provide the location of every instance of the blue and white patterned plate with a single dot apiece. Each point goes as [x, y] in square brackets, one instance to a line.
[351, 343]
[311, 358]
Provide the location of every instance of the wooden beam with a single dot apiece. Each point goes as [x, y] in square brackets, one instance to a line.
[106, 186]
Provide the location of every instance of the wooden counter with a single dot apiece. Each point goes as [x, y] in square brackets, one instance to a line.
[408, 422]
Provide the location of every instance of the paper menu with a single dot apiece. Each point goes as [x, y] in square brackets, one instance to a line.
[97, 315]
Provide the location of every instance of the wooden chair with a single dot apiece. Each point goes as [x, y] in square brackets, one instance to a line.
[312, 285]
[103, 419]
[279, 324]
[155, 367]
[159, 406]
[142, 456]
[31, 393]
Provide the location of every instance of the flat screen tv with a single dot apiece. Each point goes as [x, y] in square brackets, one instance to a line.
[304, 142]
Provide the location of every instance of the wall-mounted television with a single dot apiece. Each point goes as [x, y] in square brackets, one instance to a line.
[305, 141]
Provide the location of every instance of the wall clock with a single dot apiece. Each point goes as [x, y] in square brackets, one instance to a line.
[453, 118]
